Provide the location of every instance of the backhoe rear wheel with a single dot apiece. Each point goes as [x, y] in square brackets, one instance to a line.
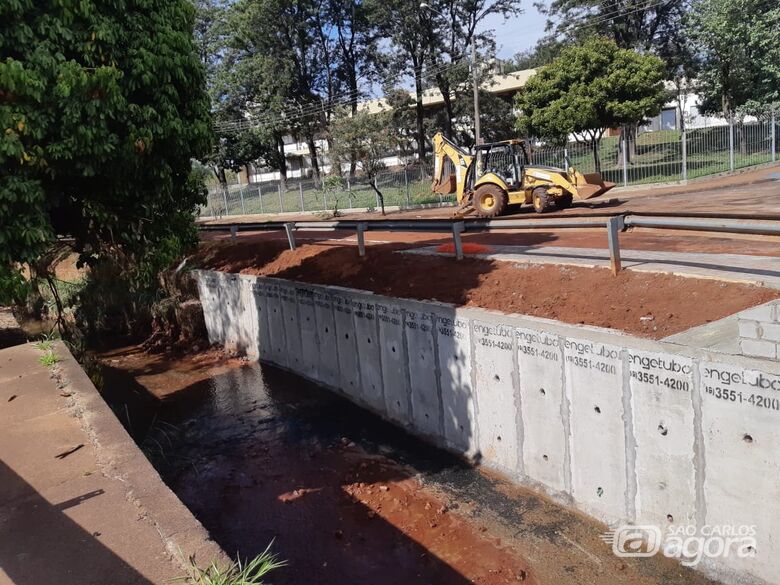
[541, 199]
[490, 200]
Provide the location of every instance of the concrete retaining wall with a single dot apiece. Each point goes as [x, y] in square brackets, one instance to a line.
[623, 428]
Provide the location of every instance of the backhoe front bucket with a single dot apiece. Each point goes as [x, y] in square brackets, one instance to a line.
[592, 186]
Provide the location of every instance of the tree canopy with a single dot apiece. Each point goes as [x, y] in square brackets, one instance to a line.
[739, 44]
[588, 89]
[102, 107]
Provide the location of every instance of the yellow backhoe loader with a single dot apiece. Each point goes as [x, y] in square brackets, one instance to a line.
[500, 174]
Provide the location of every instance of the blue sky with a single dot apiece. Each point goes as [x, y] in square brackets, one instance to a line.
[518, 33]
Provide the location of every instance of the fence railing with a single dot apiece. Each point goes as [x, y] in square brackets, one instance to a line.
[614, 224]
[653, 157]
[403, 188]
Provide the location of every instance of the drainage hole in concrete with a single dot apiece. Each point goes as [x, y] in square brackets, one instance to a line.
[747, 438]
[670, 518]
[455, 357]
[326, 329]
[662, 429]
[498, 438]
[542, 392]
[597, 409]
[599, 491]
[346, 336]
[393, 348]
[422, 356]
[368, 339]
[398, 403]
[497, 378]
[426, 415]
[545, 457]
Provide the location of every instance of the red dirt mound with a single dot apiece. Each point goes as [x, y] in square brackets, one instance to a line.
[669, 304]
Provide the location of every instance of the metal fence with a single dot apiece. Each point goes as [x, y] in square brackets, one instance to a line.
[671, 155]
[654, 157]
[404, 188]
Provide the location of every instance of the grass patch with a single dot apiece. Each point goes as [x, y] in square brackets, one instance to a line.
[249, 572]
[49, 359]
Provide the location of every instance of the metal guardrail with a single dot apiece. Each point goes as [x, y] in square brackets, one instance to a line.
[614, 224]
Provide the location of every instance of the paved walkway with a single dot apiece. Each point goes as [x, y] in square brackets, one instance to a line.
[68, 514]
[763, 270]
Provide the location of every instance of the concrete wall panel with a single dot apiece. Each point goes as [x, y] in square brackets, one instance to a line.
[232, 310]
[209, 291]
[288, 299]
[423, 373]
[327, 349]
[594, 386]
[276, 326]
[307, 316]
[494, 371]
[662, 386]
[395, 375]
[453, 337]
[260, 293]
[349, 365]
[544, 408]
[741, 429]
[250, 334]
[369, 352]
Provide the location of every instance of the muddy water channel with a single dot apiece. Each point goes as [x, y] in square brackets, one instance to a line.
[260, 455]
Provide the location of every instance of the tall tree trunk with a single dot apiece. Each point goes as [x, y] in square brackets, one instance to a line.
[418, 88]
[449, 114]
[594, 144]
[282, 162]
[315, 164]
[354, 108]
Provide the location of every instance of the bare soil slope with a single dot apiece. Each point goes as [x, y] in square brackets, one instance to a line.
[648, 305]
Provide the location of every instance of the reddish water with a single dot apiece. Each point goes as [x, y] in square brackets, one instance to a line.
[260, 455]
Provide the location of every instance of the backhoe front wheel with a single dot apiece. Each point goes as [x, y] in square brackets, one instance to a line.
[490, 200]
[541, 200]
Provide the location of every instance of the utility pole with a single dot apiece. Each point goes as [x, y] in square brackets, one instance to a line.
[477, 132]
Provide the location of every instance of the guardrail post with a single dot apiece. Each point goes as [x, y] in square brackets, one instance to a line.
[281, 202]
[457, 229]
[731, 142]
[289, 227]
[624, 156]
[361, 238]
[300, 191]
[614, 227]
[233, 233]
[774, 138]
[406, 188]
[684, 145]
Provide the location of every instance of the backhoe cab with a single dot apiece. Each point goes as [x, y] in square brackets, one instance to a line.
[500, 174]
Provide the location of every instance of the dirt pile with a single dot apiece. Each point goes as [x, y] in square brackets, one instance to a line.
[648, 305]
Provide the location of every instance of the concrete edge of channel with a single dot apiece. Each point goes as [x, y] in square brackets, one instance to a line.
[119, 458]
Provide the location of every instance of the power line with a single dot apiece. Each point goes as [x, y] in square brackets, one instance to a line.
[293, 113]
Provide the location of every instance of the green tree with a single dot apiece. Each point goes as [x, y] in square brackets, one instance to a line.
[370, 138]
[102, 108]
[739, 41]
[588, 89]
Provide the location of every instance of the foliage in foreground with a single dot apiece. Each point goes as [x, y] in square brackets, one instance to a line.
[249, 572]
[102, 109]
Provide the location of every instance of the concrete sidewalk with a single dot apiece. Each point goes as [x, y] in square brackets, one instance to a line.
[79, 503]
[761, 270]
